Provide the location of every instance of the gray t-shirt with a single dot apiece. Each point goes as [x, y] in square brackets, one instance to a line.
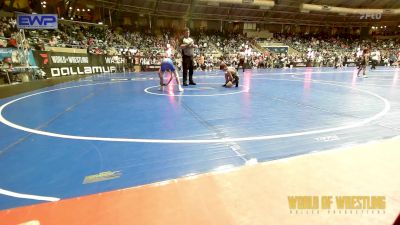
[188, 51]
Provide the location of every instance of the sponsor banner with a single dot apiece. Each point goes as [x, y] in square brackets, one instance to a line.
[277, 49]
[31, 58]
[17, 55]
[79, 70]
[114, 60]
[58, 59]
[37, 21]
[57, 64]
[6, 53]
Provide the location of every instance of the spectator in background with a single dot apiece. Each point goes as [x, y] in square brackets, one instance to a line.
[6, 70]
[169, 51]
[3, 41]
[242, 57]
[375, 58]
[53, 41]
[12, 42]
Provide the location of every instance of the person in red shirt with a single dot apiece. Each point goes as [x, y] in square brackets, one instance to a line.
[12, 43]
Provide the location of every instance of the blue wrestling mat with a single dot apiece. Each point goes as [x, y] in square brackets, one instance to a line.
[114, 131]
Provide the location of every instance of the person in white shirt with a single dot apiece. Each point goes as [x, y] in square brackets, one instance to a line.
[169, 51]
[375, 58]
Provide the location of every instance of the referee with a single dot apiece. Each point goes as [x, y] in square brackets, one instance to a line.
[187, 47]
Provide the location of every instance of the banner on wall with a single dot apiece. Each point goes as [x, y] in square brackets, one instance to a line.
[57, 64]
[6, 53]
[277, 49]
[17, 56]
[37, 21]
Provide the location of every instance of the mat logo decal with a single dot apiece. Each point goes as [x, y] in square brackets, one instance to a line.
[309, 204]
[107, 175]
[327, 138]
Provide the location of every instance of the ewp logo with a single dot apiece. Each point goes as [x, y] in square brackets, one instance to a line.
[37, 21]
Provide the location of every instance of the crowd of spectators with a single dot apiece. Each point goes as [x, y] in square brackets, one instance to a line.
[144, 48]
[320, 50]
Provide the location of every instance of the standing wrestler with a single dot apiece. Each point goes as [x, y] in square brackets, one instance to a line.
[241, 57]
[187, 47]
[363, 63]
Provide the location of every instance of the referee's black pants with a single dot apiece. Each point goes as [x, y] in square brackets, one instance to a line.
[187, 63]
